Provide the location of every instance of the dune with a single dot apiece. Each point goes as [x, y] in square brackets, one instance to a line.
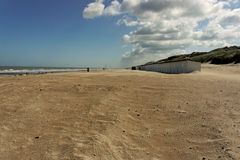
[121, 114]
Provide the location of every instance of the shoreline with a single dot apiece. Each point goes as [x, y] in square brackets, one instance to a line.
[36, 72]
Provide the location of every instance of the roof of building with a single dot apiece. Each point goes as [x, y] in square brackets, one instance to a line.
[163, 62]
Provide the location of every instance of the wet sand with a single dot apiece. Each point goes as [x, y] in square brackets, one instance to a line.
[121, 114]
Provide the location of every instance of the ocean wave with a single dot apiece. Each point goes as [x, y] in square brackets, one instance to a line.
[35, 71]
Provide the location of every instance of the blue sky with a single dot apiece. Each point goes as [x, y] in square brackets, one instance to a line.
[112, 33]
[54, 33]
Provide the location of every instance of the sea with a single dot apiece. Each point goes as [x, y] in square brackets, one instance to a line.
[24, 70]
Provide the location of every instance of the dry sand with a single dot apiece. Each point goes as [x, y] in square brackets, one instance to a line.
[121, 115]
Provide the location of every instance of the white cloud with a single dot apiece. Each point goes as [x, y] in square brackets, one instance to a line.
[98, 8]
[165, 27]
[127, 21]
[113, 8]
[94, 9]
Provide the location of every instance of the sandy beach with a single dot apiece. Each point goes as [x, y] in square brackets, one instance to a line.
[121, 115]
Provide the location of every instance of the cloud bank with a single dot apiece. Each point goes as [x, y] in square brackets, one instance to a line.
[165, 27]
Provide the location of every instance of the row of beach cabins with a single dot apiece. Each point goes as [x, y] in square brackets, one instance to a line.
[173, 67]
